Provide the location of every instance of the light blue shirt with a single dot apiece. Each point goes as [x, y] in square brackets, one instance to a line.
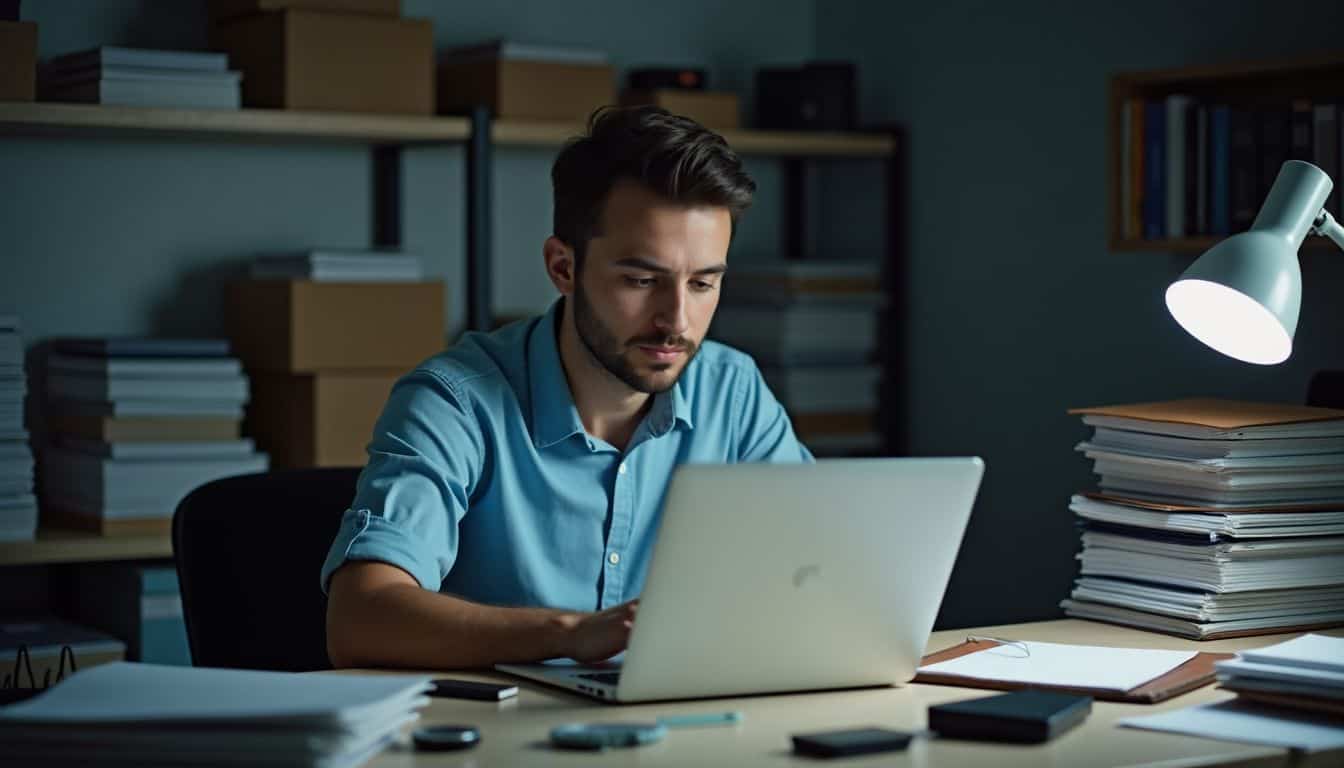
[482, 482]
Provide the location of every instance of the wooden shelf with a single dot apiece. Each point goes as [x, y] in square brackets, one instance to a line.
[47, 119]
[517, 133]
[1248, 85]
[66, 546]
[42, 119]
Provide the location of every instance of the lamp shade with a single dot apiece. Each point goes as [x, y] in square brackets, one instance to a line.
[1243, 295]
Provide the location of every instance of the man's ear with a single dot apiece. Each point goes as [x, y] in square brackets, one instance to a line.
[559, 264]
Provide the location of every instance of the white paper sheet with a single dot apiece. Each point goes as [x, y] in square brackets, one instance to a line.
[1309, 651]
[1236, 721]
[1083, 666]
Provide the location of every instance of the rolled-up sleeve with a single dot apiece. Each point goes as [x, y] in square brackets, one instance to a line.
[766, 434]
[425, 457]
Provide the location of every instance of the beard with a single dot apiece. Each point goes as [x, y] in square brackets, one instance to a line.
[615, 356]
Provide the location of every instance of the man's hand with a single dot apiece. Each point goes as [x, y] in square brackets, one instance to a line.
[599, 636]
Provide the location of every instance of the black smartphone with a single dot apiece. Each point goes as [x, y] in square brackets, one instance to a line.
[855, 741]
[470, 689]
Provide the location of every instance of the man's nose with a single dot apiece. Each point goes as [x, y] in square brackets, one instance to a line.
[671, 318]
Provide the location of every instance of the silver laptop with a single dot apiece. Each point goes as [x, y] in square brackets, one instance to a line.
[787, 577]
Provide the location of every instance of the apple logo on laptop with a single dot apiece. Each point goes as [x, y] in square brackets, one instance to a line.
[804, 572]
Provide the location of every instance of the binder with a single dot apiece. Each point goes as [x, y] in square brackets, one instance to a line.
[1195, 673]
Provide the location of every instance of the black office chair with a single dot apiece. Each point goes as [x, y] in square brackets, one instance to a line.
[248, 552]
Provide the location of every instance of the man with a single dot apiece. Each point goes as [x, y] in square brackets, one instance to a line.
[514, 482]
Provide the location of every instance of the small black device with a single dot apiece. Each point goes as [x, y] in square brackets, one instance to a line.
[1023, 716]
[445, 738]
[855, 741]
[470, 689]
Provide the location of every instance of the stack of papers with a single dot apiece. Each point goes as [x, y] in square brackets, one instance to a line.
[1216, 518]
[145, 714]
[1306, 673]
[1289, 695]
[18, 505]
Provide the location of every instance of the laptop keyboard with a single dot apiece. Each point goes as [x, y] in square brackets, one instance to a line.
[608, 678]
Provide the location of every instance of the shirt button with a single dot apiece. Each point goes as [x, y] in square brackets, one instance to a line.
[623, 470]
[614, 558]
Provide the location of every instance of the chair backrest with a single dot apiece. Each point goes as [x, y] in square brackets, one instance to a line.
[249, 550]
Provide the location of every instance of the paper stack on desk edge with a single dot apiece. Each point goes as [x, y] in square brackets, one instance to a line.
[146, 714]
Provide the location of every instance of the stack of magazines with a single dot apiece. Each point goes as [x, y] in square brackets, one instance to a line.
[1304, 674]
[142, 77]
[1214, 518]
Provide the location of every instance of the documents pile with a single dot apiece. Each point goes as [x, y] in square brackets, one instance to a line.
[1215, 518]
[127, 714]
[340, 266]
[142, 78]
[813, 329]
[18, 506]
[136, 425]
[1305, 674]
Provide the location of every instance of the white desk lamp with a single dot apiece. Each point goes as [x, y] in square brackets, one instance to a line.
[1242, 296]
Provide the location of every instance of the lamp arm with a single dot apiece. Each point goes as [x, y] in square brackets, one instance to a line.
[1326, 226]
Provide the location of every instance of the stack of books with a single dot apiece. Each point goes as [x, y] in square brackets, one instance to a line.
[122, 713]
[339, 266]
[18, 506]
[142, 78]
[136, 424]
[1215, 518]
[1305, 674]
[813, 329]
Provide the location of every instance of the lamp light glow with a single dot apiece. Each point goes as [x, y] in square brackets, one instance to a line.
[1242, 297]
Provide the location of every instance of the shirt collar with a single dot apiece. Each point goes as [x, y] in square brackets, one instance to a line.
[554, 415]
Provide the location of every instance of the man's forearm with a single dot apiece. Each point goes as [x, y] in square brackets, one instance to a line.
[404, 625]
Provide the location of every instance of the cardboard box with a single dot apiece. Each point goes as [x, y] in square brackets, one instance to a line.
[516, 89]
[18, 60]
[317, 420]
[336, 62]
[227, 9]
[299, 326]
[718, 110]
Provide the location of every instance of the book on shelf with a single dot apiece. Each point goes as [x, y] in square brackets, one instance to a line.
[70, 475]
[334, 265]
[141, 346]
[139, 58]
[1216, 518]
[188, 449]
[95, 388]
[146, 367]
[209, 409]
[148, 92]
[123, 429]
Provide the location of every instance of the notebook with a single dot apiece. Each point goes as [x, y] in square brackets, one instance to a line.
[1174, 675]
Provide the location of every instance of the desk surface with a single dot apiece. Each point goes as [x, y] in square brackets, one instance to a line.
[515, 732]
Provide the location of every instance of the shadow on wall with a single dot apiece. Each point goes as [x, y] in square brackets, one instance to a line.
[195, 308]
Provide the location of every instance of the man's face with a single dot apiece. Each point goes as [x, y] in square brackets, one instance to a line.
[649, 285]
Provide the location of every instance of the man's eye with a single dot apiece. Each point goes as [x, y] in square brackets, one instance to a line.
[701, 285]
[639, 282]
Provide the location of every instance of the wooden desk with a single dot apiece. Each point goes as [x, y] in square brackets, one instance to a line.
[514, 733]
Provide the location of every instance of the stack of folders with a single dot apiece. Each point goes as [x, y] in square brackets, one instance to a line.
[1215, 518]
[1304, 674]
[18, 506]
[128, 714]
[142, 78]
[137, 424]
[812, 328]
[340, 266]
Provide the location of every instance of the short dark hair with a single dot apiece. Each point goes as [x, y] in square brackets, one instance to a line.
[673, 156]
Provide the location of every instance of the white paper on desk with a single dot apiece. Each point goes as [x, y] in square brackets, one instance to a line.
[1079, 666]
[1247, 723]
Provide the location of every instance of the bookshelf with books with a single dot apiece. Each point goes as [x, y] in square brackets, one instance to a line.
[1191, 152]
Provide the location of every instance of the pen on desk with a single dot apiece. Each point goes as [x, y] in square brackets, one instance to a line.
[690, 721]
